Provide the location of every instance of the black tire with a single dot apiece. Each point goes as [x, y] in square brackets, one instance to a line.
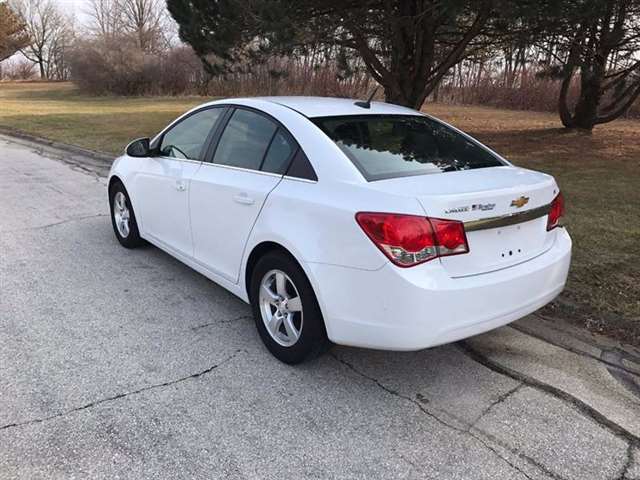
[313, 340]
[132, 239]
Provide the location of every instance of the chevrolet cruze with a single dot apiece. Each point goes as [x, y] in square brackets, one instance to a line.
[357, 223]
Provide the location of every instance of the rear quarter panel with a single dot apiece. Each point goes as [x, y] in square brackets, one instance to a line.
[316, 222]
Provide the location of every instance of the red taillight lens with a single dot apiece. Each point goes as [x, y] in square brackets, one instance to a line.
[450, 237]
[556, 212]
[409, 239]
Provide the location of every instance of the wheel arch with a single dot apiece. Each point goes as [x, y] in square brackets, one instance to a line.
[262, 248]
[113, 180]
[257, 252]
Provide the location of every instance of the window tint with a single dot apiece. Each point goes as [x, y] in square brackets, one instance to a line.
[245, 140]
[387, 146]
[278, 155]
[187, 138]
[301, 167]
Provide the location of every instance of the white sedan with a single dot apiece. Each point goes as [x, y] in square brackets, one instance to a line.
[357, 223]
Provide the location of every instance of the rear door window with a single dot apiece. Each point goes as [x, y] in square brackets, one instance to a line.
[389, 146]
[279, 154]
[245, 140]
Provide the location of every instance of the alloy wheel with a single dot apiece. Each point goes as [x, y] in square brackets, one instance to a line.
[121, 214]
[281, 308]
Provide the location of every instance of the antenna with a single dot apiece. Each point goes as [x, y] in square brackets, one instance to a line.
[367, 104]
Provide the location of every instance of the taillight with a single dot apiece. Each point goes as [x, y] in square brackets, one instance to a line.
[410, 239]
[556, 212]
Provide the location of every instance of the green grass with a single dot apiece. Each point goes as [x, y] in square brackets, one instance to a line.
[58, 112]
[599, 174]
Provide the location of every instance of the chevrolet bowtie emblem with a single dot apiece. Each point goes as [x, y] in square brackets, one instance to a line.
[520, 202]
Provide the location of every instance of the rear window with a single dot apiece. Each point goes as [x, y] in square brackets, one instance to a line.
[389, 146]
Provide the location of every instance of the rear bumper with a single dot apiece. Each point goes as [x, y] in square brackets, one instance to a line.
[415, 308]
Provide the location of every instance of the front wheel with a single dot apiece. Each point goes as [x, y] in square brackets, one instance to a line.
[123, 218]
[285, 309]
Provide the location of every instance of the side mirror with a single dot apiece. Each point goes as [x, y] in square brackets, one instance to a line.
[139, 148]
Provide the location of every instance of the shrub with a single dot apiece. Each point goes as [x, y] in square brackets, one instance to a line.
[118, 66]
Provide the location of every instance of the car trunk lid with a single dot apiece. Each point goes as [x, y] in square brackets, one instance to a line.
[503, 209]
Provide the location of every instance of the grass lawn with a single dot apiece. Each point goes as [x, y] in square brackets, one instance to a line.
[599, 174]
[58, 112]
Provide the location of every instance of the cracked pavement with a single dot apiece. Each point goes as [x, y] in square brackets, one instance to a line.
[127, 364]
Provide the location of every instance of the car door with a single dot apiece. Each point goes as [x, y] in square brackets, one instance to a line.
[162, 186]
[248, 161]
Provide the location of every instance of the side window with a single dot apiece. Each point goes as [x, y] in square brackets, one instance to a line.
[186, 140]
[301, 167]
[245, 140]
[279, 154]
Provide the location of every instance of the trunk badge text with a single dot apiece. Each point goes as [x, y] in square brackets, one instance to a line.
[475, 207]
[520, 202]
[483, 206]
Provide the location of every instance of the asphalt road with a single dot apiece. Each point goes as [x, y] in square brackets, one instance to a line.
[127, 364]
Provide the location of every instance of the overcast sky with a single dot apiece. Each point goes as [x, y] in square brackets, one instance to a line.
[77, 8]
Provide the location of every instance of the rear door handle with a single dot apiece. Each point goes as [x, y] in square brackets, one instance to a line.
[244, 199]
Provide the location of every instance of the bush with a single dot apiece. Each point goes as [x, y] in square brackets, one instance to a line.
[293, 76]
[118, 66]
[530, 92]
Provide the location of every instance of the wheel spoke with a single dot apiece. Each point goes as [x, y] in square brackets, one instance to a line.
[281, 284]
[294, 304]
[292, 333]
[274, 324]
[268, 293]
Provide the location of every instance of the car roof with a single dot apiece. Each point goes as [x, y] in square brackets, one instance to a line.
[329, 106]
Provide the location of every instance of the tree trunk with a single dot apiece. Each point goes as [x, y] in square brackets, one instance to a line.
[586, 111]
[399, 97]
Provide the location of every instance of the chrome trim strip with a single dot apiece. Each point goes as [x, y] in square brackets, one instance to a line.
[241, 169]
[298, 179]
[164, 157]
[505, 220]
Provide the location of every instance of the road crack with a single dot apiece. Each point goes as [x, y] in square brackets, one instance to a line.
[501, 399]
[54, 224]
[603, 358]
[460, 430]
[567, 398]
[119, 396]
[222, 322]
[627, 464]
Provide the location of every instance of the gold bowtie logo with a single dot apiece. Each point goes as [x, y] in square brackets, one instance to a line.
[520, 202]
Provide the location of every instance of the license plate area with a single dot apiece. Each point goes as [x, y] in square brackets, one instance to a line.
[501, 247]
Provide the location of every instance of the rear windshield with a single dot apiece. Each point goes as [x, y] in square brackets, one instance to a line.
[389, 146]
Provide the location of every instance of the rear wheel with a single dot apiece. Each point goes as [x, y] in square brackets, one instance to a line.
[285, 309]
[123, 218]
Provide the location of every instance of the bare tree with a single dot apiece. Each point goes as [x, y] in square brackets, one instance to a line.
[49, 33]
[145, 20]
[61, 44]
[106, 18]
[18, 69]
